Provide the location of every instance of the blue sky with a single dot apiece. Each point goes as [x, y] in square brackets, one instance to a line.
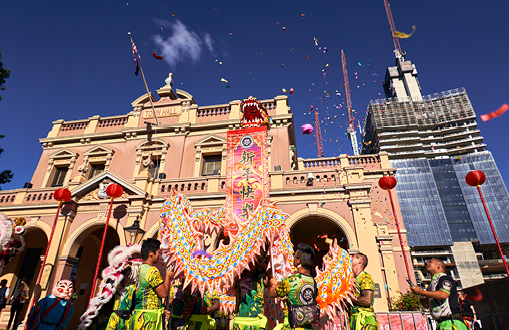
[72, 60]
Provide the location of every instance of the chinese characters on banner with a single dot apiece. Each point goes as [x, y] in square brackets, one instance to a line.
[247, 174]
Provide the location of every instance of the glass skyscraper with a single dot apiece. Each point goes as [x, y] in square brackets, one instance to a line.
[433, 141]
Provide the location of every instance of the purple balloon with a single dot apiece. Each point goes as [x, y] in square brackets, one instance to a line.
[307, 129]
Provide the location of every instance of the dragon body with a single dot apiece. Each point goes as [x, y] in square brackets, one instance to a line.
[182, 232]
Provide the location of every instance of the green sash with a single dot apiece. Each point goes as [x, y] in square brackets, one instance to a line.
[363, 317]
[154, 315]
[260, 321]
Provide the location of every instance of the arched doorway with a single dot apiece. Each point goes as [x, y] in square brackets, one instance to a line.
[86, 251]
[317, 233]
[25, 267]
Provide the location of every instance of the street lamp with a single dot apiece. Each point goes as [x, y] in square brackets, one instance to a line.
[134, 233]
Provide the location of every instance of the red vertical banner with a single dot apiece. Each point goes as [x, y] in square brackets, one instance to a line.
[247, 174]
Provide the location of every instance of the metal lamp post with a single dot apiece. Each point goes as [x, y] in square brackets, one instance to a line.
[134, 234]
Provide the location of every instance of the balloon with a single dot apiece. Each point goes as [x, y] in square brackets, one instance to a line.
[307, 129]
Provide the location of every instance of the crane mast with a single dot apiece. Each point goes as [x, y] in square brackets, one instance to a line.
[397, 47]
[351, 125]
[318, 135]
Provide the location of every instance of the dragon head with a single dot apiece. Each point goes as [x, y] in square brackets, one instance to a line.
[254, 114]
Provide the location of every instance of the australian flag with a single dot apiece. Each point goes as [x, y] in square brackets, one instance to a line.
[137, 59]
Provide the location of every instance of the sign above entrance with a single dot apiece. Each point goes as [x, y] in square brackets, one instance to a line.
[163, 112]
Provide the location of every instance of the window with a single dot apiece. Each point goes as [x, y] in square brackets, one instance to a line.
[96, 170]
[58, 179]
[154, 171]
[211, 165]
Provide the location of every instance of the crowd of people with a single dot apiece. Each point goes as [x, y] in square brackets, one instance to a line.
[141, 305]
[150, 300]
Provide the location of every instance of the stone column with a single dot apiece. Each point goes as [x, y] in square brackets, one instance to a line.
[94, 121]
[192, 113]
[57, 124]
[281, 104]
[53, 263]
[384, 240]
[235, 109]
[366, 233]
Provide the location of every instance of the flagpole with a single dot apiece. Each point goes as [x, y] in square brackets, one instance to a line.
[146, 86]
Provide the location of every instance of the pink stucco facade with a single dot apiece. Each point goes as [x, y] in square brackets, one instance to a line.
[344, 200]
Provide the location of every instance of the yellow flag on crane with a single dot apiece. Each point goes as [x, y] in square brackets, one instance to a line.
[402, 35]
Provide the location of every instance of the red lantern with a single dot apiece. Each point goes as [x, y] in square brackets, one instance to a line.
[387, 182]
[62, 195]
[475, 178]
[114, 191]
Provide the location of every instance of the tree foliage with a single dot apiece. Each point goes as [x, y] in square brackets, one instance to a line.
[4, 74]
[406, 302]
[6, 175]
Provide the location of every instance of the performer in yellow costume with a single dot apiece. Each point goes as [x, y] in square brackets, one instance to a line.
[190, 314]
[148, 310]
[122, 304]
[362, 316]
[249, 297]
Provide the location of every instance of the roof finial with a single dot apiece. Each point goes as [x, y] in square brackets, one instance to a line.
[169, 80]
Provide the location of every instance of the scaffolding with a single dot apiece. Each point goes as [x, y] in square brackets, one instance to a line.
[435, 109]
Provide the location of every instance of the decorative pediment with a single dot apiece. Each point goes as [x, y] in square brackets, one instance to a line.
[153, 144]
[211, 140]
[95, 188]
[63, 153]
[185, 96]
[99, 151]
[140, 101]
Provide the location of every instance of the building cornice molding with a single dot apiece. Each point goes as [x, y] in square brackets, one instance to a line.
[172, 129]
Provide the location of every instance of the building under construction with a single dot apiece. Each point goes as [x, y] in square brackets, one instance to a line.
[441, 124]
[434, 142]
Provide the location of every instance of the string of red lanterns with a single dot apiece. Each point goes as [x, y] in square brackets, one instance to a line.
[388, 183]
[62, 195]
[476, 179]
[113, 191]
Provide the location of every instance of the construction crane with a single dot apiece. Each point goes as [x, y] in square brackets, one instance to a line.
[318, 135]
[397, 47]
[351, 124]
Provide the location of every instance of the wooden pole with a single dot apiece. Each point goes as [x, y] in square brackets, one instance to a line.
[146, 86]
[45, 256]
[493, 230]
[100, 253]
[399, 235]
